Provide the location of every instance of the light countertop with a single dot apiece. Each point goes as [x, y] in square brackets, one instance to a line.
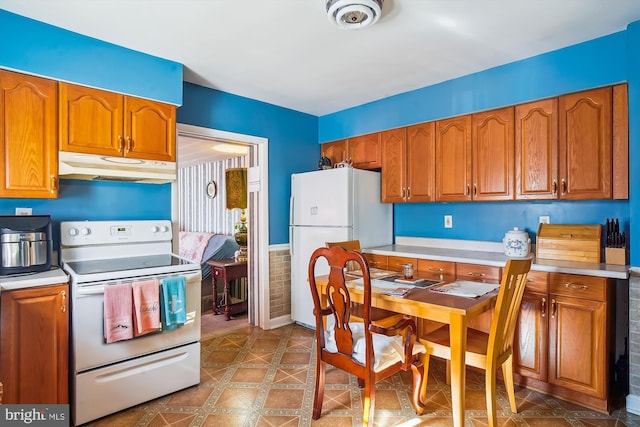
[54, 276]
[486, 253]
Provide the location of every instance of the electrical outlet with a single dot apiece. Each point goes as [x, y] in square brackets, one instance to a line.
[448, 221]
[544, 219]
[23, 211]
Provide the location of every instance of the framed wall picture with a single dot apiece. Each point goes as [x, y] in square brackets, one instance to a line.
[212, 189]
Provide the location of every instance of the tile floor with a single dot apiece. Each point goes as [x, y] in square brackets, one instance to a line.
[251, 377]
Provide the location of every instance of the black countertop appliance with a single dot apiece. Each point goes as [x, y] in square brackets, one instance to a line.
[25, 244]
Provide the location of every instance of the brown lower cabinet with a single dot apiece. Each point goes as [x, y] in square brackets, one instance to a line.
[564, 340]
[563, 343]
[377, 261]
[34, 345]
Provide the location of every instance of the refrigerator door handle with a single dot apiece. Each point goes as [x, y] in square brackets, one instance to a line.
[290, 240]
[291, 222]
[291, 218]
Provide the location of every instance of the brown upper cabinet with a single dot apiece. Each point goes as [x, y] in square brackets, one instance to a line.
[566, 147]
[536, 150]
[363, 152]
[408, 158]
[585, 144]
[453, 159]
[572, 147]
[28, 144]
[620, 142]
[474, 157]
[492, 144]
[99, 122]
[336, 151]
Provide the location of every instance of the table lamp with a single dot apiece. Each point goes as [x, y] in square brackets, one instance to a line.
[236, 185]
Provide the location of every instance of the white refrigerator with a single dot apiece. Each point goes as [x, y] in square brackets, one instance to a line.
[331, 205]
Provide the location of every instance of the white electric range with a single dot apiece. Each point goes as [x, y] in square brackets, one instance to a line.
[107, 378]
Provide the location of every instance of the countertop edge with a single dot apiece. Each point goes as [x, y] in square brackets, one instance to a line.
[497, 259]
[55, 276]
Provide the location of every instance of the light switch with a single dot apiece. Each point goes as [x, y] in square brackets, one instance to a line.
[448, 221]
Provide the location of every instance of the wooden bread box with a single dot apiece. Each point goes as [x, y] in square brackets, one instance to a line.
[569, 242]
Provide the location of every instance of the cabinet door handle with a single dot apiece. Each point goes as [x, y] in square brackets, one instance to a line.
[403, 192]
[554, 187]
[475, 189]
[563, 185]
[120, 144]
[438, 270]
[576, 286]
[466, 191]
[64, 299]
[472, 274]
[54, 184]
[553, 308]
[543, 307]
[408, 192]
[129, 146]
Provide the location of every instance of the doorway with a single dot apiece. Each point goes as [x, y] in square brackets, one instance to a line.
[257, 218]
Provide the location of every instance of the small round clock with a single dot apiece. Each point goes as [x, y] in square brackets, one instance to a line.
[212, 189]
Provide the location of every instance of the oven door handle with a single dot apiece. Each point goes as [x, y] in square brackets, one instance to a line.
[90, 290]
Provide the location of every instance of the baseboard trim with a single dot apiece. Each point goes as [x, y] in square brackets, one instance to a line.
[280, 321]
[633, 404]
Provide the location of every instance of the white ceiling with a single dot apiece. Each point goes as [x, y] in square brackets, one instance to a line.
[286, 52]
[194, 151]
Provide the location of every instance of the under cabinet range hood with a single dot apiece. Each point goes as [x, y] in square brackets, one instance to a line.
[96, 167]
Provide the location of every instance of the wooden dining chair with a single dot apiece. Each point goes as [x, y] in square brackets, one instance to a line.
[368, 351]
[379, 316]
[492, 350]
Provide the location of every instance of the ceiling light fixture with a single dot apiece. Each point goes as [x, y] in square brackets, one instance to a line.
[354, 14]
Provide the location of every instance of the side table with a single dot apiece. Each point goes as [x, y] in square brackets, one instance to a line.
[227, 270]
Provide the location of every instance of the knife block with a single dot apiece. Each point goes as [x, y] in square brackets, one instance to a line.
[616, 256]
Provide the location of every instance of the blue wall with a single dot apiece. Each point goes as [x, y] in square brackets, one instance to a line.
[97, 200]
[36, 48]
[599, 62]
[633, 76]
[293, 140]
[48, 51]
[591, 64]
[490, 220]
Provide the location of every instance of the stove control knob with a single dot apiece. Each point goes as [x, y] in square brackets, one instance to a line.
[73, 232]
[86, 231]
[164, 229]
[154, 229]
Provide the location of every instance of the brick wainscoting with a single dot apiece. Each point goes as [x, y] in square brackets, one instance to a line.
[279, 283]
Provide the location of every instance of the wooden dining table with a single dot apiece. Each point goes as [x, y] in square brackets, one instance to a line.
[456, 311]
